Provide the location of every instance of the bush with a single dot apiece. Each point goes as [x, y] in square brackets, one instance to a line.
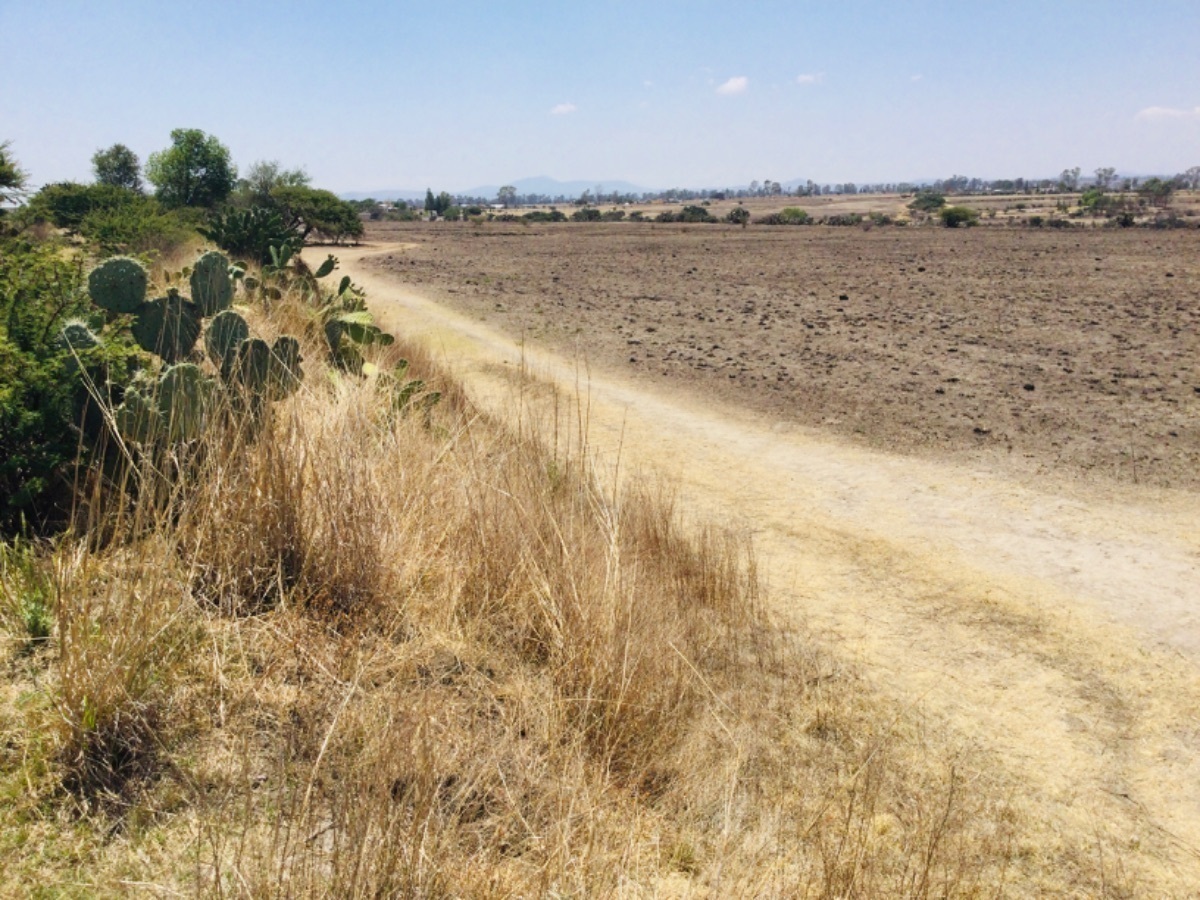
[695, 214]
[42, 401]
[251, 233]
[67, 203]
[613, 215]
[136, 228]
[954, 216]
[739, 215]
[927, 201]
[541, 215]
[587, 214]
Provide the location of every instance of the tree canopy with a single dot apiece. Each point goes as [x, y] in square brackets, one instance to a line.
[309, 210]
[264, 176]
[118, 166]
[196, 170]
[12, 176]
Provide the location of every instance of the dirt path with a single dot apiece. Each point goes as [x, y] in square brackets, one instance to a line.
[1058, 631]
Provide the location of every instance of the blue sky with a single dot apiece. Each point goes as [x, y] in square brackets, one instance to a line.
[369, 95]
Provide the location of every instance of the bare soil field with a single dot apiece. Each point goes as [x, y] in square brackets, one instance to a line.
[1067, 351]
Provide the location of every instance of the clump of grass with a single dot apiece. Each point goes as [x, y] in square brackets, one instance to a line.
[25, 595]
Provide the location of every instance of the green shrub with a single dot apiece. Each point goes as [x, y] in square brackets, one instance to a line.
[739, 215]
[67, 203]
[138, 228]
[927, 201]
[42, 400]
[541, 215]
[954, 216]
[587, 214]
[695, 214]
[251, 233]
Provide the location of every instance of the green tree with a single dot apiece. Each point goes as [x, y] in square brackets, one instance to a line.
[12, 176]
[430, 201]
[1157, 192]
[265, 176]
[196, 170]
[309, 211]
[507, 195]
[118, 166]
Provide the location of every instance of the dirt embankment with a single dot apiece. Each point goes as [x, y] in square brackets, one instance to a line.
[1072, 351]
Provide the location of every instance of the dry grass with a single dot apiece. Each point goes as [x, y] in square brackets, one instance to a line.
[361, 654]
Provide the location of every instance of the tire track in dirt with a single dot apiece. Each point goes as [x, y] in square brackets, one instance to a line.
[1057, 631]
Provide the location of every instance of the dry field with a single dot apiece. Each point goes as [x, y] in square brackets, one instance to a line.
[1052, 351]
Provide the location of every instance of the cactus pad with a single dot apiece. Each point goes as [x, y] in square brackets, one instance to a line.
[136, 419]
[212, 288]
[76, 335]
[168, 326]
[285, 371]
[225, 333]
[252, 366]
[183, 395]
[118, 284]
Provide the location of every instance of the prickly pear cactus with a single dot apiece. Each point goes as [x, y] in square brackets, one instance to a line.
[212, 288]
[285, 373]
[168, 326]
[252, 367]
[225, 334]
[183, 401]
[118, 284]
[137, 419]
[76, 335]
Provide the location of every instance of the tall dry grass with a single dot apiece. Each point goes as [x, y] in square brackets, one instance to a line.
[362, 654]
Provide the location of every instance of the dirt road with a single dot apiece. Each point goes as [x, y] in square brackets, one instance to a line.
[1056, 630]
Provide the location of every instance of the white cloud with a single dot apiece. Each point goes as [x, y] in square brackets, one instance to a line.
[1165, 113]
[647, 83]
[916, 77]
[735, 85]
[810, 78]
[563, 109]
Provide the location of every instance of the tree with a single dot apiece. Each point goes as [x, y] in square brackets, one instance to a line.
[264, 176]
[308, 210]
[1069, 179]
[1191, 178]
[195, 170]
[1157, 192]
[12, 176]
[118, 166]
[430, 201]
[507, 195]
[1104, 178]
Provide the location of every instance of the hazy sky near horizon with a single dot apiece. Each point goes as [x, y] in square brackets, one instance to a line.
[376, 94]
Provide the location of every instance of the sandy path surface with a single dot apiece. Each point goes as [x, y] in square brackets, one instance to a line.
[1056, 631]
